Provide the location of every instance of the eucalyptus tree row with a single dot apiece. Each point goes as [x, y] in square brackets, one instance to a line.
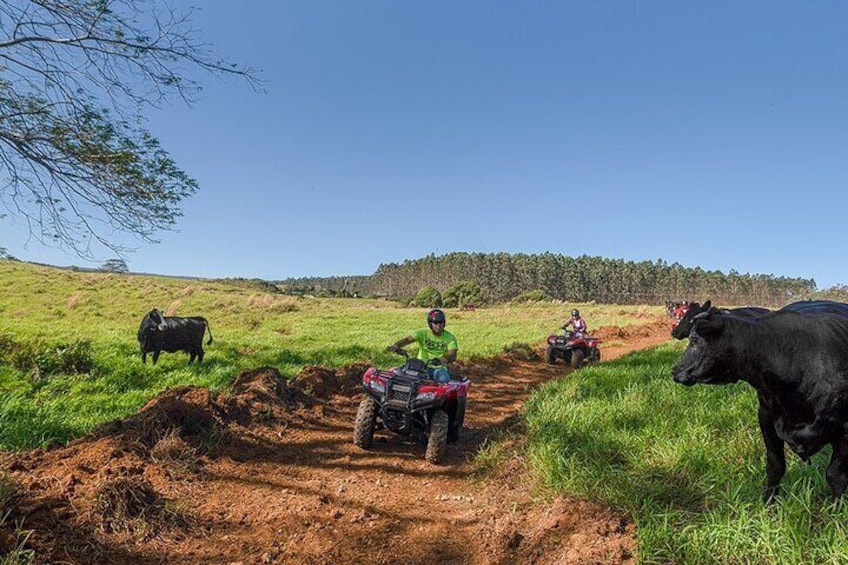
[504, 276]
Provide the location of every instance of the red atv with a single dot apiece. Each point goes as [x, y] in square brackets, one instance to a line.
[408, 402]
[573, 348]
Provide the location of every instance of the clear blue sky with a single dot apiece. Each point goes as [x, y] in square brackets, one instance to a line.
[711, 134]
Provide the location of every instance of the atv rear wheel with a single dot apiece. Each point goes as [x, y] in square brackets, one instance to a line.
[437, 442]
[577, 358]
[363, 427]
[550, 355]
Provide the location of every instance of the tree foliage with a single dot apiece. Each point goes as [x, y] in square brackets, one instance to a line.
[75, 162]
[117, 265]
[464, 293]
[427, 297]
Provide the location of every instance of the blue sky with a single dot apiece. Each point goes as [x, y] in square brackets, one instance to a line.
[708, 134]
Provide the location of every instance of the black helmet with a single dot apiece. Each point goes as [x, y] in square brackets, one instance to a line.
[575, 313]
[435, 316]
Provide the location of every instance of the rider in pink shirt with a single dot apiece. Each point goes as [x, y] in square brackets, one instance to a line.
[576, 322]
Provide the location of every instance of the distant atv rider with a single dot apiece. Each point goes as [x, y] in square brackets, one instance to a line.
[434, 343]
[576, 322]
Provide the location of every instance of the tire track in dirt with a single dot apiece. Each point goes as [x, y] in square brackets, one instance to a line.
[294, 489]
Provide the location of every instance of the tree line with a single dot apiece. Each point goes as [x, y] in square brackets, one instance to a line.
[505, 276]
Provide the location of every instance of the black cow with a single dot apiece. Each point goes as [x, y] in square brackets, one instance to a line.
[798, 363]
[684, 326]
[817, 307]
[159, 333]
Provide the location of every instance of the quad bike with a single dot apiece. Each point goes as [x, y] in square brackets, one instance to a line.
[573, 348]
[406, 401]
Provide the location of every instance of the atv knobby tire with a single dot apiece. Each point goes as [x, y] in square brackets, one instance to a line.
[437, 442]
[366, 419]
[596, 356]
[550, 355]
[576, 358]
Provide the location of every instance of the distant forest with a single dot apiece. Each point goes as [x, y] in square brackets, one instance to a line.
[503, 277]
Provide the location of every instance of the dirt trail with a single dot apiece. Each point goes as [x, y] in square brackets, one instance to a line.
[268, 474]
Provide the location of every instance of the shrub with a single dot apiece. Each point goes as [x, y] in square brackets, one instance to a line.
[537, 295]
[427, 297]
[44, 360]
[463, 293]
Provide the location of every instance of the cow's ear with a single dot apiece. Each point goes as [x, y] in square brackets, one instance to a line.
[708, 323]
[707, 305]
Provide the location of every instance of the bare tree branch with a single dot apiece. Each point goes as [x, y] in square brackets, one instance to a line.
[75, 76]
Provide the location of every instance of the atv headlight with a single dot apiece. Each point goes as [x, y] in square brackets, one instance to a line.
[377, 386]
[422, 396]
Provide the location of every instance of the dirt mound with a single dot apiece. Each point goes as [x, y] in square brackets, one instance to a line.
[626, 333]
[189, 409]
[323, 383]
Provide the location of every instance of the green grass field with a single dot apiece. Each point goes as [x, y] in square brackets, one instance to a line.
[686, 463]
[69, 357]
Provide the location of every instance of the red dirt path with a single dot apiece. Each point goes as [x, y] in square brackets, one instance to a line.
[268, 474]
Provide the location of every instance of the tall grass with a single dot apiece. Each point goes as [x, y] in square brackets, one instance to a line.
[69, 356]
[686, 463]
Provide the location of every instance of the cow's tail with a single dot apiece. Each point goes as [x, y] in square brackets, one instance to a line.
[208, 329]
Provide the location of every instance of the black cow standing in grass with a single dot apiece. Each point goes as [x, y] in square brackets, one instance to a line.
[159, 333]
[684, 326]
[798, 363]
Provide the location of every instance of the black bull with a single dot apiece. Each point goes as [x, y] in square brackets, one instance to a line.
[798, 364]
[159, 333]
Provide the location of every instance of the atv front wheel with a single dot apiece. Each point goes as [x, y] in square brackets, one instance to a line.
[456, 426]
[576, 358]
[596, 355]
[550, 355]
[363, 427]
[437, 442]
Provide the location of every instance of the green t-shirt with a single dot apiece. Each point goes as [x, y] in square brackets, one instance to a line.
[431, 345]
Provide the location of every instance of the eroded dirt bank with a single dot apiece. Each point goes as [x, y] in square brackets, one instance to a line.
[268, 474]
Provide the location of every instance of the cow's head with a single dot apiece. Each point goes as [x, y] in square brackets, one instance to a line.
[684, 326]
[709, 358]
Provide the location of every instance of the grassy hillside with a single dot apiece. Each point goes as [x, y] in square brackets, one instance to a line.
[687, 463]
[69, 356]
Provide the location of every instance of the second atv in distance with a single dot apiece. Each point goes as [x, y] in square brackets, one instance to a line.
[573, 348]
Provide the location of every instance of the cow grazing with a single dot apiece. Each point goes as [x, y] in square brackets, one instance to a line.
[798, 364]
[684, 325]
[159, 333]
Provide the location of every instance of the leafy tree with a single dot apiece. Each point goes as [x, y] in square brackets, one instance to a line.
[464, 293]
[427, 297]
[115, 266]
[75, 161]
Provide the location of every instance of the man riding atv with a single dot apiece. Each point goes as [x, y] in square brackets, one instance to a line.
[434, 343]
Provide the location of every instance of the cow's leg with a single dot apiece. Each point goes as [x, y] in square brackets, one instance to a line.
[775, 455]
[200, 354]
[144, 357]
[837, 471]
[156, 353]
[191, 355]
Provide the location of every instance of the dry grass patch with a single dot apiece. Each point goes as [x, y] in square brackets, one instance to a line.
[130, 505]
[173, 452]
